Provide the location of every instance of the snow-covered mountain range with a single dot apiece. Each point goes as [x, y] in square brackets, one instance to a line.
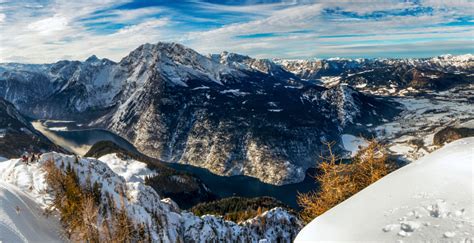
[437, 73]
[229, 113]
[243, 115]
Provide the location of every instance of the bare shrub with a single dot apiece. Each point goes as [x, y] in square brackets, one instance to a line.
[339, 181]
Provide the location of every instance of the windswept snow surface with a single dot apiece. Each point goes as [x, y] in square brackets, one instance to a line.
[429, 200]
[21, 220]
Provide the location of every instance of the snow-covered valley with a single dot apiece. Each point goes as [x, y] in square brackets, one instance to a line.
[411, 134]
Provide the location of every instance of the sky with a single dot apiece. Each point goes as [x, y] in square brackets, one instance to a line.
[45, 31]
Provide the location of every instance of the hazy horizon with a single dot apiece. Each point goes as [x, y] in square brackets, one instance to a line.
[46, 31]
[271, 58]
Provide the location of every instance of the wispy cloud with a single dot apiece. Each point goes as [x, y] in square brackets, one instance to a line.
[48, 30]
[49, 25]
[2, 17]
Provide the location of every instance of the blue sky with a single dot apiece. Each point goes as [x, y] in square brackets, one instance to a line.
[46, 30]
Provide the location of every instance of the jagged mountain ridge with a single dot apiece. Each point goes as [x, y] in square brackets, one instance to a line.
[432, 74]
[64, 87]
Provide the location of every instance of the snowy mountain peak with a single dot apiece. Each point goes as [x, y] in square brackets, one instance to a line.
[175, 63]
[385, 69]
[464, 57]
[168, 49]
[230, 57]
[92, 58]
[243, 62]
[463, 61]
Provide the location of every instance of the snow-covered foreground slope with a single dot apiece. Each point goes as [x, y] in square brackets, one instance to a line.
[21, 220]
[429, 200]
[165, 221]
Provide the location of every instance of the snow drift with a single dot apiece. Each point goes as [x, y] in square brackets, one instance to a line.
[21, 220]
[428, 200]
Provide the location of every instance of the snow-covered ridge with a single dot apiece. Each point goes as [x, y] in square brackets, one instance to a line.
[143, 203]
[429, 200]
[317, 68]
[242, 62]
[101, 83]
[452, 59]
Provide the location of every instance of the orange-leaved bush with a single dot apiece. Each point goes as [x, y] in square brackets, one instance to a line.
[339, 181]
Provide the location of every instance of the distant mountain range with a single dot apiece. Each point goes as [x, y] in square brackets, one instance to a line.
[437, 73]
[229, 113]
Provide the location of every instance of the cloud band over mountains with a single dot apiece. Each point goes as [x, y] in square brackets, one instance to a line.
[47, 31]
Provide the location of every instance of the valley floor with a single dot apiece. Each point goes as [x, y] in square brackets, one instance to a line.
[411, 134]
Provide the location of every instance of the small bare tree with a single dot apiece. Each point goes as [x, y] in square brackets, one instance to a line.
[90, 213]
[338, 181]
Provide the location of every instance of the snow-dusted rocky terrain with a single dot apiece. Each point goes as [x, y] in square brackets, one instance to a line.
[411, 134]
[26, 188]
[434, 93]
[388, 76]
[429, 200]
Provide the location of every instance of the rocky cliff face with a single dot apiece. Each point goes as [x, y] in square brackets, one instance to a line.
[229, 113]
[232, 114]
[63, 89]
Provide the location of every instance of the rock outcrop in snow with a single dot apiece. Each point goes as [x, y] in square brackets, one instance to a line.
[165, 221]
[429, 200]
